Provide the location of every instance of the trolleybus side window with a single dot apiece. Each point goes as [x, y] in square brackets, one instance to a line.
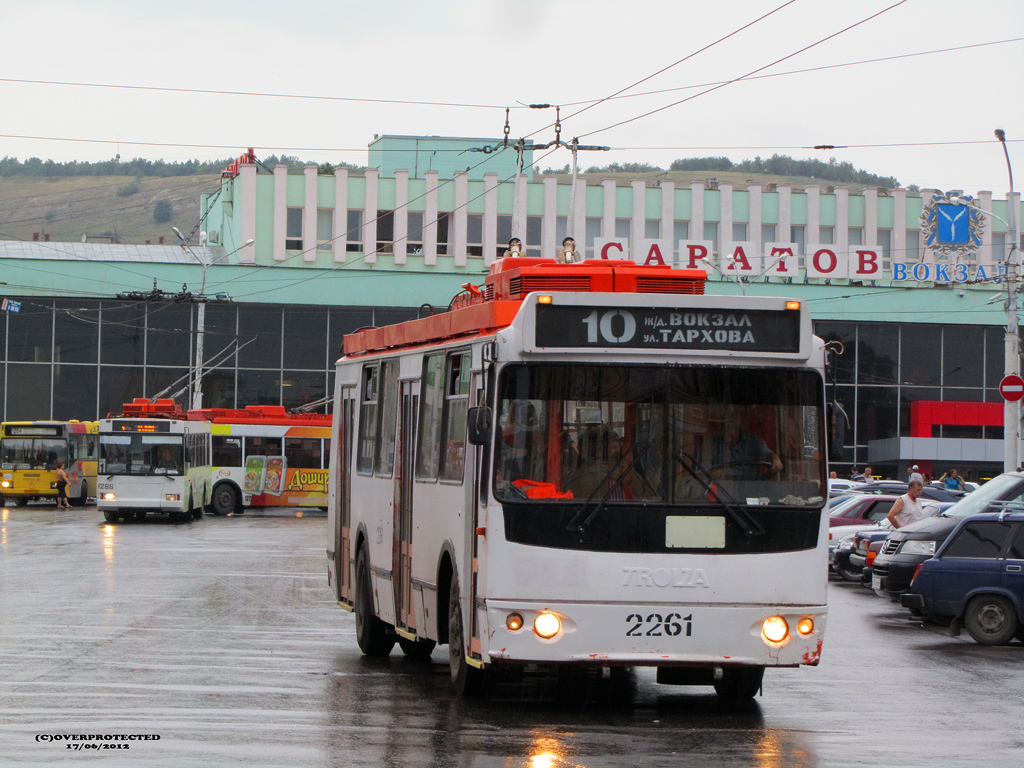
[388, 416]
[368, 419]
[262, 446]
[227, 451]
[302, 452]
[428, 453]
[456, 404]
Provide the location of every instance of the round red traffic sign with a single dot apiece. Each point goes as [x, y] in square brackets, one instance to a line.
[1012, 388]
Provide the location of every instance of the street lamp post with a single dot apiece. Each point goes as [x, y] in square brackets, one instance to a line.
[1011, 409]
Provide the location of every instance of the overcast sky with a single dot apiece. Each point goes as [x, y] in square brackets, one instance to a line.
[501, 53]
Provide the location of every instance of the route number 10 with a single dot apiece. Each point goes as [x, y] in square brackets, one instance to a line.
[606, 326]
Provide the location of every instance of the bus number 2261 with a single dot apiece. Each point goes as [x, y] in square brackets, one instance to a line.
[656, 626]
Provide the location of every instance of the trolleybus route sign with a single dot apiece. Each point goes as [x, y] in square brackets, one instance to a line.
[561, 325]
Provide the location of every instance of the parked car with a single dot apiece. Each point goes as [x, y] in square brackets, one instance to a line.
[847, 562]
[861, 509]
[976, 578]
[866, 546]
[898, 488]
[912, 544]
[838, 487]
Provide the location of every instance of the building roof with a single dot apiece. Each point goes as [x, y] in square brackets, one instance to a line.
[152, 254]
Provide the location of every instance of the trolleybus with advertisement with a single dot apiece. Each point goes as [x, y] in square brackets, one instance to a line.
[587, 464]
[30, 452]
[154, 458]
[265, 456]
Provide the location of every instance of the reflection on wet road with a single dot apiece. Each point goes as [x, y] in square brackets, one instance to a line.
[221, 637]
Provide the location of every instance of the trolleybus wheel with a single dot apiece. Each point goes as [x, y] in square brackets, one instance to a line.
[991, 620]
[416, 650]
[739, 683]
[83, 495]
[110, 517]
[225, 499]
[371, 633]
[197, 513]
[467, 680]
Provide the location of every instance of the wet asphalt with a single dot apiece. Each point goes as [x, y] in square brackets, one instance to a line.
[221, 638]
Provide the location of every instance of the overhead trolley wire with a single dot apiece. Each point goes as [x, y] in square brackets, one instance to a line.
[748, 74]
[689, 56]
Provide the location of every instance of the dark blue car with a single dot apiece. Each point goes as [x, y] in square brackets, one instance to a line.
[976, 578]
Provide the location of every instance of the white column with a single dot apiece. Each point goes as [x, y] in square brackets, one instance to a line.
[400, 247]
[280, 210]
[842, 221]
[899, 229]
[754, 218]
[608, 216]
[668, 217]
[458, 223]
[577, 229]
[247, 211]
[638, 226]
[309, 214]
[549, 224]
[783, 229]
[725, 217]
[490, 218]
[697, 211]
[340, 214]
[985, 255]
[430, 220]
[370, 217]
[523, 212]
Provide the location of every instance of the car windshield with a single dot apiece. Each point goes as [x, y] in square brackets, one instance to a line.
[141, 454]
[619, 434]
[1002, 488]
[840, 509]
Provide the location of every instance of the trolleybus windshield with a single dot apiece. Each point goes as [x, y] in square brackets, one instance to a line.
[135, 454]
[692, 436]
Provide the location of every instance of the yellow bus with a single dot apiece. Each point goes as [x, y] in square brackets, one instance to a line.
[30, 452]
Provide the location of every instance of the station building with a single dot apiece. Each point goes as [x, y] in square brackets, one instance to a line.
[911, 286]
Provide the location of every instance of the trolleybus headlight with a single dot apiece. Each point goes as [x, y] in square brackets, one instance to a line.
[775, 629]
[5, 484]
[173, 497]
[547, 625]
[514, 621]
[109, 497]
[805, 626]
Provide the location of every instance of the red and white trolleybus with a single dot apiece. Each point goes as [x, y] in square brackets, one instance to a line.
[586, 464]
[265, 456]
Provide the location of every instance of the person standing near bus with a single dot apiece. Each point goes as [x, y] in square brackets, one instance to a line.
[62, 487]
[907, 508]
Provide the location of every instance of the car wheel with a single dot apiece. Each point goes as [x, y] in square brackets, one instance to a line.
[847, 572]
[110, 517]
[466, 679]
[991, 620]
[416, 650]
[739, 683]
[225, 499]
[371, 633]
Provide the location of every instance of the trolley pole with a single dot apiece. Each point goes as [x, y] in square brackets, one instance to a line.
[1011, 409]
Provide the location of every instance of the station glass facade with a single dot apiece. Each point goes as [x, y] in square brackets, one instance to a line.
[80, 359]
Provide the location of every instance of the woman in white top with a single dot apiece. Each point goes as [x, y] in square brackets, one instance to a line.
[908, 508]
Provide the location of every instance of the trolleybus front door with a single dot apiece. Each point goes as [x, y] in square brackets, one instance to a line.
[405, 612]
[343, 555]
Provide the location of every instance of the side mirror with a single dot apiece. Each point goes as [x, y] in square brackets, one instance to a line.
[479, 421]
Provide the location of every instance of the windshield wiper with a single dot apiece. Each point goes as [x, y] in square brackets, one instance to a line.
[582, 527]
[747, 523]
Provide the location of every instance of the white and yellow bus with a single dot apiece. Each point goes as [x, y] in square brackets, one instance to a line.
[30, 452]
[587, 464]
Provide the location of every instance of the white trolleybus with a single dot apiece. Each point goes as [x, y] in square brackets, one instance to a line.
[154, 459]
[586, 464]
